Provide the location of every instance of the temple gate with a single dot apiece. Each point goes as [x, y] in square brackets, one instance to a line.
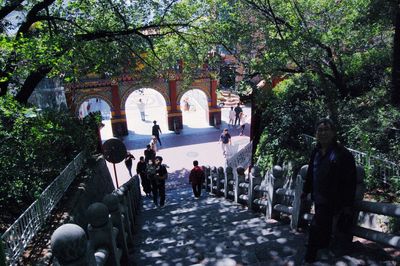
[115, 93]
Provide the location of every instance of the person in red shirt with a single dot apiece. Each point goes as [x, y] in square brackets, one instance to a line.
[196, 178]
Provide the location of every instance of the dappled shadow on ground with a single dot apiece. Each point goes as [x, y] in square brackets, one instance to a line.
[189, 231]
[177, 179]
[210, 230]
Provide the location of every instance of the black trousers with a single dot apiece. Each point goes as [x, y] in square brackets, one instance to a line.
[321, 227]
[158, 138]
[158, 190]
[237, 119]
[146, 184]
[196, 190]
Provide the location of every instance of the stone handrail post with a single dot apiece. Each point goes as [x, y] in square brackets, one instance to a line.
[240, 177]
[214, 179]
[101, 232]
[359, 195]
[360, 188]
[207, 173]
[276, 181]
[221, 187]
[298, 190]
[137, 195]
[229, 182]
[133, 186]
[71, 247]
[112, 203]
[301, 207]
[255, 179]
[269, 181]
[126, 200]
[125, 216]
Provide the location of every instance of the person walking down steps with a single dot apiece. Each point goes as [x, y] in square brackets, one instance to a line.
[156, 131]
[158, 182]
[141, 170]
[196, 178]
[128, 162]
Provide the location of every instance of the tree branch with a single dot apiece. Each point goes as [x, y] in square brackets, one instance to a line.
[7, 9]
[31, 82]
[31, 16]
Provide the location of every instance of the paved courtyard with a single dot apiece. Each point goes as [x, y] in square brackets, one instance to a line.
[198, 142]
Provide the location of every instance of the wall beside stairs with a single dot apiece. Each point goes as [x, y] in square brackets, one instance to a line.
[91, 189]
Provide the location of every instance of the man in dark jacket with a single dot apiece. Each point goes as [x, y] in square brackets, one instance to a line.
[196, 178]
[156, 131]
[158, 182]
[331, 180]
[149, 154]
[141, 170]
[238, 110]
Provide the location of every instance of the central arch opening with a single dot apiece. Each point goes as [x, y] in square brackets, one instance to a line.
[142, 107]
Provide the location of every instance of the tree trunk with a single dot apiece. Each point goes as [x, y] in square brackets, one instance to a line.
[31, 82]
[396, 60]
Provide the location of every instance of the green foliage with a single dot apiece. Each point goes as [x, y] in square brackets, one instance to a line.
[34, 148]
[365, 123]
[290, 110]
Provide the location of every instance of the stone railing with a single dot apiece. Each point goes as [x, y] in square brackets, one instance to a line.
[276, 194]
[241, 158]
[16, 238]
[109, 233]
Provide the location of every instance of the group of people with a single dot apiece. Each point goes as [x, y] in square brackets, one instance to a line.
[150, 169]
[237, 118]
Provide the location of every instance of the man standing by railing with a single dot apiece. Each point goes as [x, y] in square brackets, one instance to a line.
[331, 179]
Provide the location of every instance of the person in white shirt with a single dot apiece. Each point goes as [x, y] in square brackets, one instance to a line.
[153, 144]
[141, 109]
[232, 116]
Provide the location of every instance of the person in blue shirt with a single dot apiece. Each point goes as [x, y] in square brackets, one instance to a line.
[225, 140]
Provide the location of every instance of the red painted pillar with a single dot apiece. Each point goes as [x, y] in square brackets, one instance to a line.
[174, 113]
[118, 117]
[70, 99]
[214, 114]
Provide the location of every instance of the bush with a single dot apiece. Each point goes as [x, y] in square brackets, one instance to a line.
[34, 148]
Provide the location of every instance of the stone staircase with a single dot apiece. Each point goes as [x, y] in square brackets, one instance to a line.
[210, 230]
[214, 231]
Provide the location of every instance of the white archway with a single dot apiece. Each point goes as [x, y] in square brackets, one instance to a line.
[154, 108]
[92, 105]
[194, 106]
